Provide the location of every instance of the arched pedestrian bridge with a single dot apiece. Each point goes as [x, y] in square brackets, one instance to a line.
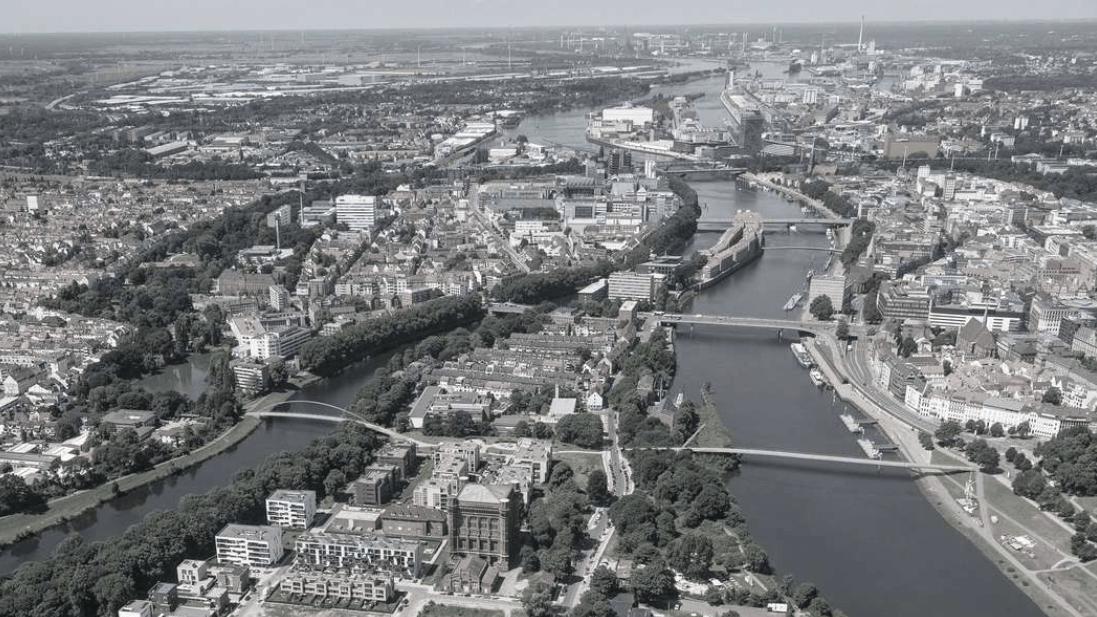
[345, 416]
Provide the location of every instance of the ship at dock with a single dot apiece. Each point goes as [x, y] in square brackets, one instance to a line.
[793, 301]
[801, 354]
[816, 377]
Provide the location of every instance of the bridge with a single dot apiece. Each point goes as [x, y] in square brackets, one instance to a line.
[671, 319]
[822, 458]
[722, 224]
[345, 416]
[825, 249]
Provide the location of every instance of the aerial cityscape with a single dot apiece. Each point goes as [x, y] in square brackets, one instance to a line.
[730, 319]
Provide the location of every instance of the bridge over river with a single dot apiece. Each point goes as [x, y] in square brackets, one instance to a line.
[722, 224]
[822, 458]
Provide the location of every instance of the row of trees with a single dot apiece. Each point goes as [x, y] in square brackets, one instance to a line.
[327, 355]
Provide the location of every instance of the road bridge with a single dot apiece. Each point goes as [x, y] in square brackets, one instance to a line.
[822, 458]
[345, 416]
[722, 224]
[671, 319]
[824, 249]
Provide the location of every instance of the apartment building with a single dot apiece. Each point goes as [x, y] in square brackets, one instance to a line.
[291, 509]
[255, 546]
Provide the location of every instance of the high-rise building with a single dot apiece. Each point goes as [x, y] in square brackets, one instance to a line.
[357, 212]
[279, 298]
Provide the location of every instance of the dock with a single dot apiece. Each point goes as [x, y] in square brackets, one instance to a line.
[869, 448]
[853, 425]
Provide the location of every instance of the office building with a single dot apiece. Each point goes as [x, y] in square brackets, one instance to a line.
[833, 287]
[291, 509]
[537, 454]
[399, 455]
[255, 546]
[357, 212]
[375, 486]
[631, 286]
[898, 301]
[484, 520]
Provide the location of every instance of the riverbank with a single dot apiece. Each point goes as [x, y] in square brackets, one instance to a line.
[18, 527]
[933, 489]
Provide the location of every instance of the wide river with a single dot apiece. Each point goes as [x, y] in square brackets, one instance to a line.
[868, 539]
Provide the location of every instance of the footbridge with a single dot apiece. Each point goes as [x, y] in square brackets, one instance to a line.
[823, 458]
[345, 415]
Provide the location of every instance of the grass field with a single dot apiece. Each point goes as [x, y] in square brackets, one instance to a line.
[714, 434]
[439, 610]
[581, 464]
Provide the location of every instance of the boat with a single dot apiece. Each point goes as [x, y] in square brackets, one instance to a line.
[816, 377]
[802, 355]
[678, 400]
[793, 301]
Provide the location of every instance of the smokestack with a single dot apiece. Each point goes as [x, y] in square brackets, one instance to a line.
[861, 36]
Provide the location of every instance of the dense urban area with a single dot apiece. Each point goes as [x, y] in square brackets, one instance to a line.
[199, 232]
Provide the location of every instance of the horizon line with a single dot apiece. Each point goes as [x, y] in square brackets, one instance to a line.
[397, 28]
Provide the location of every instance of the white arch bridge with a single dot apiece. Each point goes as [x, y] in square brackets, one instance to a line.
[345, 415]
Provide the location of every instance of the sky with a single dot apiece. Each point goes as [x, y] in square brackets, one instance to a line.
[28, 16]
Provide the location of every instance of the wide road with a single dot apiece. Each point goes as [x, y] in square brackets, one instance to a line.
[504, 244]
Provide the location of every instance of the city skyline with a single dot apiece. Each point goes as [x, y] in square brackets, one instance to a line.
[132, 16]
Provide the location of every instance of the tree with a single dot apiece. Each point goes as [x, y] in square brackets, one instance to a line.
[561, 473]
[334, 481]
[907, 347]
[604, 581]
[1011, 452]
[803, 594]
[653, 583]
[819, 607]
[925, 439]
[714, 595]
[1053, 396]
[581, 429]
[842, 330]
[996, 430]
[755, 559]
[537, 600]
[592, 604]
[597, 487]
[1023, 430]
[947, 433]
[1030, 484]
[946, 367]
[821, 308]
[691, 555]
[685, 421]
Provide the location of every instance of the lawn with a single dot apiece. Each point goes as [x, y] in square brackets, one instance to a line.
[439, 610]
[1076, 587]
[581, 464]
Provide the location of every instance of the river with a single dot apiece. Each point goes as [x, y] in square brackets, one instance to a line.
[868, 539]
[115, 516]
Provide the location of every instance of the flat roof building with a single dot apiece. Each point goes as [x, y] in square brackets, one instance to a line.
[291, 509]
[249, 545]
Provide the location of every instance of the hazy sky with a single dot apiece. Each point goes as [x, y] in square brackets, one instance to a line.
[143, 15]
